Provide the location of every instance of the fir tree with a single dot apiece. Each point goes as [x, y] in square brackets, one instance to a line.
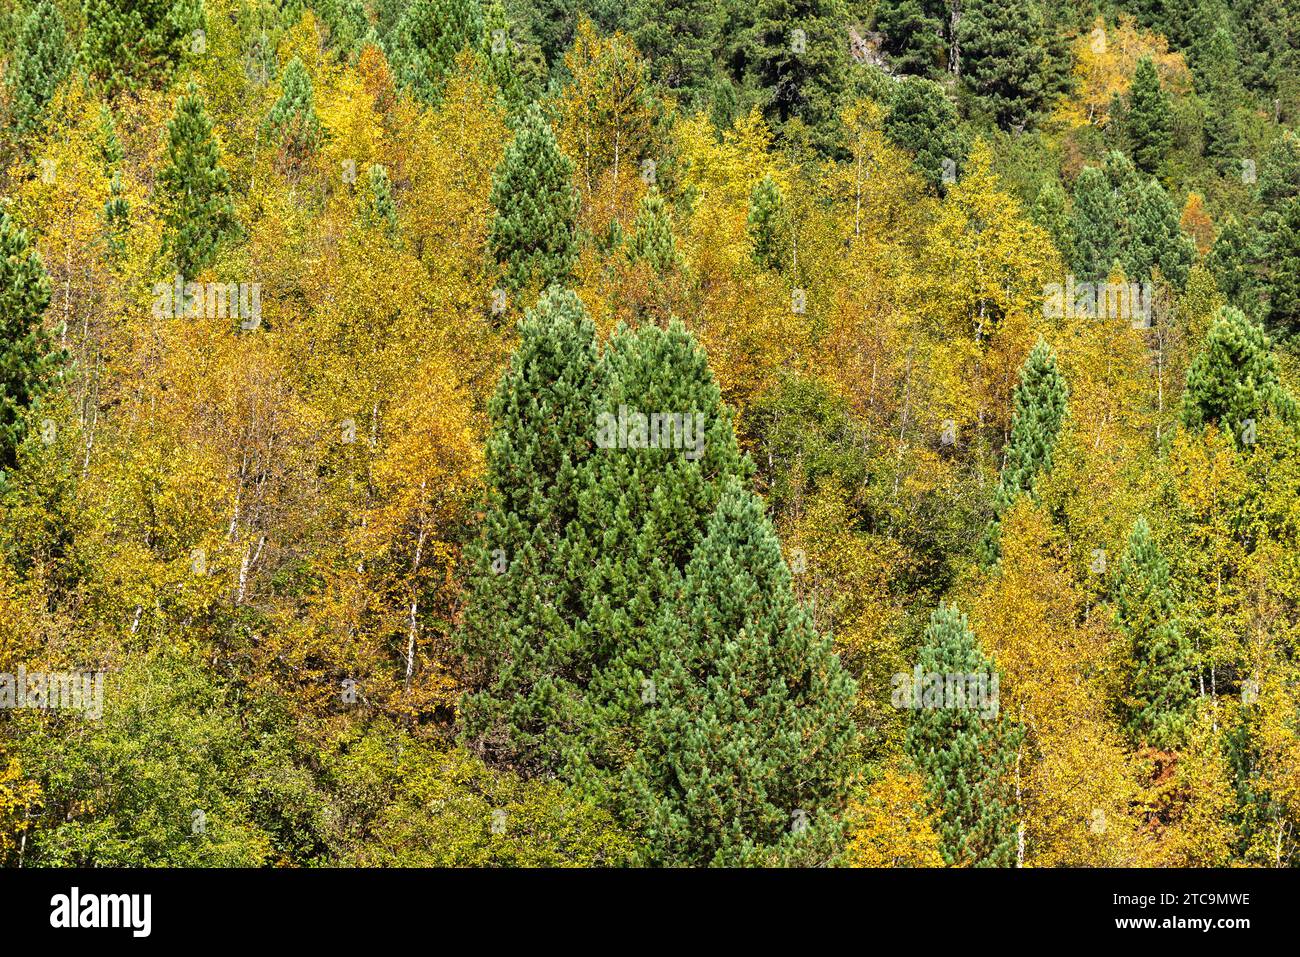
[1094, 226]
[1234, 379]
[292, 122]
[750, 730]
[26, 359]
[39, 64]
[965, 753]
[197, 208]
[923, 121]
[534, 233]
[1149, 118]
[1158, 688]
[1040, 408]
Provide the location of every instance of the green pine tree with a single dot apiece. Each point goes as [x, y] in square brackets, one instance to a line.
[40, 62]
[197, 208]
[423, 46]
[922, 120]
[500, 55]
[127, 43]
[27, 363]
[292, 123]
[677, 38]
[798, 56]
[1283, 284]
[750, 732]
[1003, 57]
[1148, 121]
[652, 237]
[1094, 226]
[534, 233]
[1155, 238]
[915, 34]
[1233, 381]
[964, 752]
[1050, 212]
[376, 200]
[1040, 408]
[769, 226]
[1158, 689]
[1230, 261]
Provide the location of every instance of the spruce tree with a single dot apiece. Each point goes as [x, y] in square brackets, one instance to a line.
[769, 226]
[1002, 58]
[27, 362]
[1148, 121]
[965, 754]
[1040, 408]
[652, 237]
[1234, 378]
[750, 732]
[677, 38]
[40, 62]
[534, 232]
[197, 208]
[1094, 226]
[922, 120]
[292, 122]
[1158, 688]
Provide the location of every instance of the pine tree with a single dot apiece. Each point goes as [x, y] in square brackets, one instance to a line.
[197, 208]
[1219, 86]
[1158, 688]
[1149, 118]
[1049, 211]
[965, 754]
[40, 62]
[376, 200]
[1230, 262]
[1002, 58]
[26, 359]
[534, 233]
[798, 55]
[1155, 238]
[1283, 287]
[1234, 379]
[347, 22]
[1279, 172]
[1040, 408]
[1095, 226]
[923, 121]
[652, 237]
[677, 38]
[499, 53]
[769, 226]
[914, 34]
[423, 46]
[292, 122]
[750, 730]
[526, 574]
[131, 42]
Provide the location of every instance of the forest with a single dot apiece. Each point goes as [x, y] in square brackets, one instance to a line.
[677, 433]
